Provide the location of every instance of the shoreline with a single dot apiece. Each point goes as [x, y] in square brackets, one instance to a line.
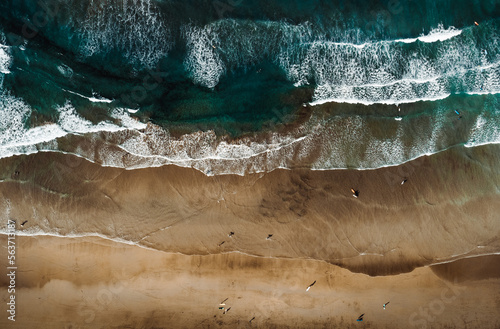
[391, 228]
[119, 241]
[155, 290]
[332, 136]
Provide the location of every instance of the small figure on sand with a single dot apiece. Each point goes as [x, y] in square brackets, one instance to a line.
[312, 284]
[269, 237]
[220, 244]
[386, 304]
[404, 181]
[355, 193]
[225, 311]
[398, 118]
[251, 319]
[231, 234]
[222, 303]
[22, 224]
[360, 318]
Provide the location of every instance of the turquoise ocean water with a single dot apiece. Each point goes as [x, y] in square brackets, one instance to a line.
[385, 81]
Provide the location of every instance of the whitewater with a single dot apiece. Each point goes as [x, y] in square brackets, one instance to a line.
[425, 71]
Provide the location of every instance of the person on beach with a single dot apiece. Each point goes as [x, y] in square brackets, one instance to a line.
[231, 234]
[355, 193]
[386, 304]
[360, 318]
[404, 181]
[220, 244]
[312, 284]
[225, 311]
[269, 237]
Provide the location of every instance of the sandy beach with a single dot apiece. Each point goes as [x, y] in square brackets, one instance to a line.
[249, 164]
[96, 283]
[164, 257]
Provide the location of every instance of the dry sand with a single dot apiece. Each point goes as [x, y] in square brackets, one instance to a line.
[96, 283]
[447, 210]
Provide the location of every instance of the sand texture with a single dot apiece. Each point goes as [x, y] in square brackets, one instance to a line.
[163, 257]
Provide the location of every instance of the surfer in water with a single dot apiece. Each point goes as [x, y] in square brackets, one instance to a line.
[312, 284]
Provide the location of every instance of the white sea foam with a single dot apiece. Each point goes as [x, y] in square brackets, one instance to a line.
[475, 80]
[92, 99]
[135, 28]
[338, 143]
[387, 101]
[437, 34]
[71, 122]
[485, 131]
[126, 121]
[13, 115]
[16, 138]
[203, 60]
[5, 59]
[366, 73]
[65, 70]
[348, 69]
[34, 232]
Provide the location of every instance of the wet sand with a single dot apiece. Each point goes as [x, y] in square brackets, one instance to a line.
[95, 283]
[362, 251]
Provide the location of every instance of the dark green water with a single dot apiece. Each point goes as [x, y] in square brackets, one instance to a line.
[238, 67]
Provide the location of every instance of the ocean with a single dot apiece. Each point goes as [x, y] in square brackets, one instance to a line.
[240, 86]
